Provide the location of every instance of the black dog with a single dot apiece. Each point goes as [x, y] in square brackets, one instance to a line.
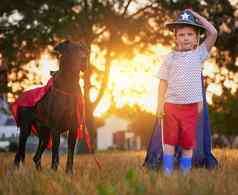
[60, 109]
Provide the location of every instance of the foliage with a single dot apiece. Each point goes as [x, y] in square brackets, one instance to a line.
[223, 113]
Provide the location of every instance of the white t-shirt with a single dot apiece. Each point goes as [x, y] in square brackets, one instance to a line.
[183, 72]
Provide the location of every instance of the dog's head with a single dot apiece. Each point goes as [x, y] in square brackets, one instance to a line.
[74, 56]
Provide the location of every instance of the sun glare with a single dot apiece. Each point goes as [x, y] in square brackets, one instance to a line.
[131, 82]
[47, 64]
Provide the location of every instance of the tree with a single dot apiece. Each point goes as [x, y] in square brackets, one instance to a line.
[223, 113]
[109, 24]
[3, 79]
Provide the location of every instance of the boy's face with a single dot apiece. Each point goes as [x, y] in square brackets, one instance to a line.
[186, 38]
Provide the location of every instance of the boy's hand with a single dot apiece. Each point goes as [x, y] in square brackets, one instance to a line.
[160, 112]
[190, 10]
[195, 14]
[211, 32]
[200, 107]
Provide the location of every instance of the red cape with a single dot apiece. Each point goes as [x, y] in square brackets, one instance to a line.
[31, 97]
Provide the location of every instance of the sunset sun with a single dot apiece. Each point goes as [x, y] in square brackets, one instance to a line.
[131, 82]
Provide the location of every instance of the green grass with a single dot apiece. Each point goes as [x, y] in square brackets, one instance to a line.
[121, 174]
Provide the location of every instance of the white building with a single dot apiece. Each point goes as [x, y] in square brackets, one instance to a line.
[105, 133]
[4, 144]
[7, 124]
[9, 130]
[115, 134]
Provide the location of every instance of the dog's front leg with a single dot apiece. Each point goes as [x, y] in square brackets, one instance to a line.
[71, 146]
[55, 149]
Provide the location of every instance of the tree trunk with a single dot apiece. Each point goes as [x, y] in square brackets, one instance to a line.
[90, 106]
[82, 147]
[3, 79]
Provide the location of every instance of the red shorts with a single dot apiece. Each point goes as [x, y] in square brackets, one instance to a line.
[179, 124]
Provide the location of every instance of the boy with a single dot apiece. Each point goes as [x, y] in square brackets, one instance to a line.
[180, 88]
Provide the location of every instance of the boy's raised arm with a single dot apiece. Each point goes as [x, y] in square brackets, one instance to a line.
[211, 30]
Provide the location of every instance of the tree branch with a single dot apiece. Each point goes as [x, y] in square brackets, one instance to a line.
[140, 10]
[86, 7]
[126, 7]
[104, 81]
[94, 69]
[100, 33]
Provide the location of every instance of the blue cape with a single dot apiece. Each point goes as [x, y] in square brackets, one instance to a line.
[202, 154]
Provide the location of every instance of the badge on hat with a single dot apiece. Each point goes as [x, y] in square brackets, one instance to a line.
[185, 17]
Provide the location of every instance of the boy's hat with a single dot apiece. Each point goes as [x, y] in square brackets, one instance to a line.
[185, 17]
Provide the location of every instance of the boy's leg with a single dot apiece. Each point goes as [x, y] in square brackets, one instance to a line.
[188, 123]
[168, 159]
[186, 161]
[170, 137]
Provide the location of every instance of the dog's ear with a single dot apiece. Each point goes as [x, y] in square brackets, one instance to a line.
[62, 47]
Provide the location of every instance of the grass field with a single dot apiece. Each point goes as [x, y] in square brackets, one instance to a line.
[121, 174]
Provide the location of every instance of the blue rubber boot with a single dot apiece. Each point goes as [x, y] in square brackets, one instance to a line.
[185, 165]
[168, 164]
